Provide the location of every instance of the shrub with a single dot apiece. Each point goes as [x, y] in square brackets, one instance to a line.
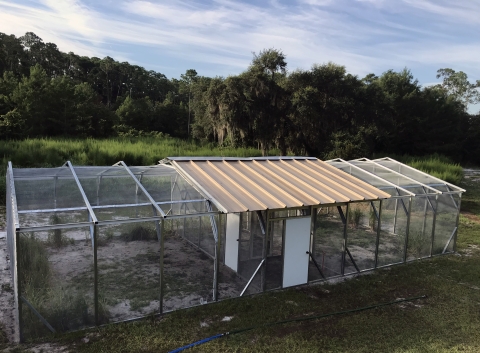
[139, 232]
[354, 217]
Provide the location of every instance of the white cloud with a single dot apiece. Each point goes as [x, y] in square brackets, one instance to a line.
[364, 35]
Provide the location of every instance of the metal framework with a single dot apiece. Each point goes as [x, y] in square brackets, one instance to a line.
[432, 191]
[389, 204]
[15, 226]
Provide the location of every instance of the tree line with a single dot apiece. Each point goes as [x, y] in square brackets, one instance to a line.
[324, 111]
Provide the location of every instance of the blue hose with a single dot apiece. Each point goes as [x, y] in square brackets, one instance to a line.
[205, 340]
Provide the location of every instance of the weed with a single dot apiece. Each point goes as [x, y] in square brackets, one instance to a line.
[6, 287]
[139, 232]
[354, 217]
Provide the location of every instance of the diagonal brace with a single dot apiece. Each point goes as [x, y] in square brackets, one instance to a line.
[139, 184]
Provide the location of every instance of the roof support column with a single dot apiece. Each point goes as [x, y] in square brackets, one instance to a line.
[433, 225]
[379, 227]
[407, 231]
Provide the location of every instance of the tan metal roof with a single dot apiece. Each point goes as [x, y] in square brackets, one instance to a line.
[252, 184]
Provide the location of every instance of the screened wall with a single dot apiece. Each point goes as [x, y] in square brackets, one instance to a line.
[86, 245]
[96, 245]
[422, 213]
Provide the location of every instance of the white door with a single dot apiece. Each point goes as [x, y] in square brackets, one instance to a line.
[297, 243]
[231, 240]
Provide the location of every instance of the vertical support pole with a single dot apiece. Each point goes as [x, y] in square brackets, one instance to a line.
[407, 230]
[265, 237]
[136, 194]
[184, 219]
[95, 273]
[157, 225]
[55, 192]
[312, 231]
[344, 239]
[425, 216]
[200, 232]
[379, 226]
[433, 225]
[215, 268]
[17, 272]
[91, 229]
[99, 180]
[395, 216]
[457, 223]
[162, 252]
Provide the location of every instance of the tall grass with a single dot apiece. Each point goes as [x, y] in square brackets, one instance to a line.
[437, 165]
[47, 152]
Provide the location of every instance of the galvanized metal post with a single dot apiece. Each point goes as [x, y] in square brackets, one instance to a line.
[19, 287]
[379, 226]
[433, 224]
[424, 216]
[313, 218]
[265, 236]
[407, 230]
[215, 271]
[162, 279]
[457, 223]
[157, 225]
[345, 222]
[200, 232]
[99, 180]
[55, 192]
[395, 216]
[95, 273]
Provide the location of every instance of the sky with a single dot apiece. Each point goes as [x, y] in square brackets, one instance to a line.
[217, 38]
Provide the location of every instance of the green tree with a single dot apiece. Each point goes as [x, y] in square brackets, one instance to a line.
[457, 85]
[188, 80]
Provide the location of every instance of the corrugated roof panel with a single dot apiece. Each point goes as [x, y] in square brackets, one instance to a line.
[294, 179]
[251, 184]
[328, 186]
[304, 197]
[246, 185]
[264, 182]
[219, 193]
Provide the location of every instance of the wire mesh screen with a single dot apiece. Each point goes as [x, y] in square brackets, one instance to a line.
[274, 266]
[46, 188]
[361, 236]
[56, 281]
[128, 261]
[421, 227]
[250, 253]
[188, 273]
[328, 242]
[445, 223]
[393, 230]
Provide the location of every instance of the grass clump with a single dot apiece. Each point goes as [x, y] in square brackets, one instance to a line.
[63, 307]
[139, 233]
[354, 217]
